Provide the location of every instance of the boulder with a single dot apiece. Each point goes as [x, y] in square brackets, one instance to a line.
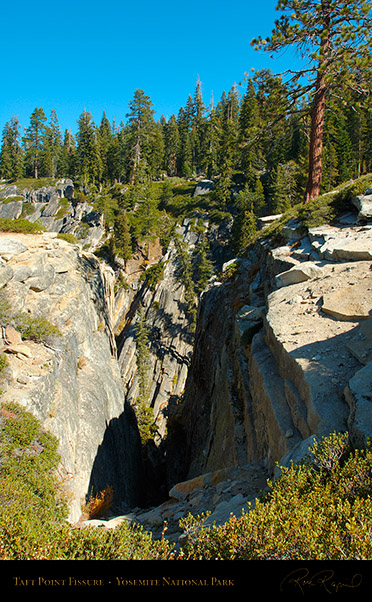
[181, 490]
[10, 248]
[13, 336]
[293, 230]
[351, 303]
[18, 350]
[51, 208]
[299, 273]
[203, 187]
[11, 209]
[8, 191]
[41, 282]
[361, 343]
[364, 205]
[342, 244]
[281, 260]
[248, 321]
[263, 222]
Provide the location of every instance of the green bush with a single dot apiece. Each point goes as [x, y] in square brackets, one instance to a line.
[68, 238]
[27, 209]
[326, 207]
[20, 225]
[320, 509]
[3, 365]
[153, 275]
[32, 328]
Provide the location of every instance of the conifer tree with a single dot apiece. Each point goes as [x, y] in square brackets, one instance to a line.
[211, 144]
[172, 146]
[334, 37]
[203, 265]
[184, 122]
[52, 146]
[198, 125]
[141, 130]
[105, 141]
[250, 127]
[122, 238]
[67, 158]
[89, 162]
[34, 141]
[11, 157]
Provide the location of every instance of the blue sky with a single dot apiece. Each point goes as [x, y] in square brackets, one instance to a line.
[84, 54]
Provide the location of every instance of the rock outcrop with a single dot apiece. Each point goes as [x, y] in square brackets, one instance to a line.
[255, 395]
[55, 208]
[70, 381]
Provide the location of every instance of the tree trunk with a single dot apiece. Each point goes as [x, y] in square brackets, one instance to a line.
[137, 153]
[316, 142]
[318, 111]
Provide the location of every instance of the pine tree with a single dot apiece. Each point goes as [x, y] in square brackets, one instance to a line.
[172, 146]
[34, 142]
[334, 36]
[284, 190]
[67, 158]
[250, 127]
[105, 142]
[245, 228]
[11, 157]
[89, 161]
[141, 131]
[122, 238]
[142, 346]
[211, 145]
[203, 265]
[198, 124]
[52, 146]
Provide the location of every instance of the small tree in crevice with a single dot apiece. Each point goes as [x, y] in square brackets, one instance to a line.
[144, 413]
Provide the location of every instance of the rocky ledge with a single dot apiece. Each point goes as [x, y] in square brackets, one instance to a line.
[220, 494]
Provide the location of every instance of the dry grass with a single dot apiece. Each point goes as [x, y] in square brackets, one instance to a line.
[99, 505]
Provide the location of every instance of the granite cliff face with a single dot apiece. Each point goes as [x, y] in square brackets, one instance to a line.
[71, 382]
[280, 351]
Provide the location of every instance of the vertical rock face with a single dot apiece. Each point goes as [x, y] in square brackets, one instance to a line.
[258, 390]
[206, 432]
[71, 382]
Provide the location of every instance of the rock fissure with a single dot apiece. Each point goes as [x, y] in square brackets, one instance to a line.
[281, 353]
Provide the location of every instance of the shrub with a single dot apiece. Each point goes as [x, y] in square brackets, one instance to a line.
[34, 328]
[3, 365]
[27, 209]
[20, 225]
[326, 207]
[68, 238]
[153, 275]
[320, 509]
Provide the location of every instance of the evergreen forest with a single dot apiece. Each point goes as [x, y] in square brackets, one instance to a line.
[249, 141]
